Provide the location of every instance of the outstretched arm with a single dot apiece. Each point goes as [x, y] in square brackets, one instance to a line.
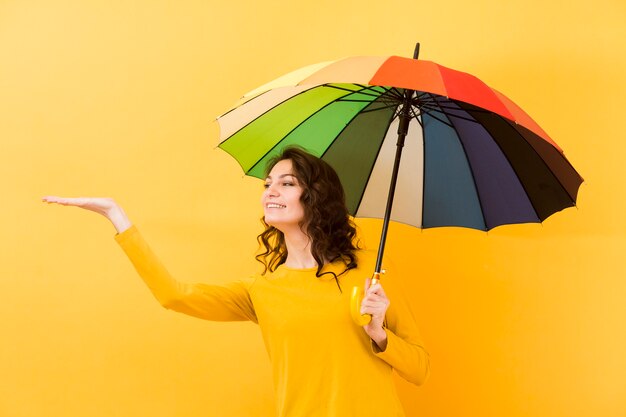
[211, 302]
[104, 206]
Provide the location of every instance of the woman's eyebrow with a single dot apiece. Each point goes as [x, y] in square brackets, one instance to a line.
[269, 177]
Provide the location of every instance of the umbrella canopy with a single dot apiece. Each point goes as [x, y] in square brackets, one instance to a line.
[472, 157]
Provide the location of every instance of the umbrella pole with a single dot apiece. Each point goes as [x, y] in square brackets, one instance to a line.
[357, 293]
[403, 128]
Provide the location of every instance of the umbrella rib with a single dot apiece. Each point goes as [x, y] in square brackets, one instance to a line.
[415, 115]
[429, 101]
[337, 87]
[397, 113]
[388, 106]
[430, 113]
[431, 98]
[363, 90]
[376, 88]
[437, 106]
[395, 93]
[425, 96]
[350, 100]
[443, 106]
[389, 99]
[390, 94]
[419, 120]
[430, 109]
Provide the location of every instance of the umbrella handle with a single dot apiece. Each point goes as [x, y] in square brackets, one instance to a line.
[355, 304]
[355, 308]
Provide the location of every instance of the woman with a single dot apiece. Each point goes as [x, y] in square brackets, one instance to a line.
[323, 364]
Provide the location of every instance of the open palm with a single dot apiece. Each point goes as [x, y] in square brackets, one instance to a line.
[101, 205]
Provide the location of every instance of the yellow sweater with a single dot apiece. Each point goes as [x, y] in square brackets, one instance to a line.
[323, 364]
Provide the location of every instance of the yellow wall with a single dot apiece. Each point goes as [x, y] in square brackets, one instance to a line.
[117, 98]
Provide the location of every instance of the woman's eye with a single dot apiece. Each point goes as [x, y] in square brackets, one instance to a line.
[266, 185]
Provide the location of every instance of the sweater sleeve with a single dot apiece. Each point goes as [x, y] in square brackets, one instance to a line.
[405, 350]
[230, 302]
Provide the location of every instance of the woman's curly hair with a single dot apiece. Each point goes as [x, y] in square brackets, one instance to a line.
[326, 220]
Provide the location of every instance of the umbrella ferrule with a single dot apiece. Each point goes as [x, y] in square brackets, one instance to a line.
[376, 276]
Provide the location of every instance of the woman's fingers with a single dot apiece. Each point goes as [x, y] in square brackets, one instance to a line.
[375, 300]
[55, 199]
[373, 306]
[78, 202]
[90, 203]
[95, 204]
[375, 289]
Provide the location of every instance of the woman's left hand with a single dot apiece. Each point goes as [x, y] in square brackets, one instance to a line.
[375, 303]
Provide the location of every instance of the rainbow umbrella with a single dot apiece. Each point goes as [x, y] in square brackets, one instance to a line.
[471, 156]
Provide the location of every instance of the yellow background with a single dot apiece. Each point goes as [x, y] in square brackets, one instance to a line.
[118, 98]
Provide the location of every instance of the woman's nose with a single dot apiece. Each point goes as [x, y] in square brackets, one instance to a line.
[272, 191]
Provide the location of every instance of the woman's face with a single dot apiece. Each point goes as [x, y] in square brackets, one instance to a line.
[281, 199]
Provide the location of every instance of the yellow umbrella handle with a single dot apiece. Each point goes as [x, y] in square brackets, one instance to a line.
[355, 304]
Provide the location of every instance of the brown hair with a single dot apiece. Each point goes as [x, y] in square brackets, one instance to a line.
[326, 219]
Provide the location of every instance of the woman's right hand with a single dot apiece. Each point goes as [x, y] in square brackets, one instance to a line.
[104, 206]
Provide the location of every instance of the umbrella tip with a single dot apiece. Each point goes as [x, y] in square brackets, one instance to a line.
[416, 53]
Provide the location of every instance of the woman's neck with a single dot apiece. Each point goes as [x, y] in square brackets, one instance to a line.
[299, 254]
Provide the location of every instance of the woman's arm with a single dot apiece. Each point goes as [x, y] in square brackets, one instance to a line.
[211, 302]
[230, 302]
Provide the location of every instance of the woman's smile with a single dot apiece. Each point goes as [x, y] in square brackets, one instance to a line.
[275, 205]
